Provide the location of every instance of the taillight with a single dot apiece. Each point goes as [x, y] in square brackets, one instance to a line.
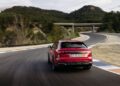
[86, 53]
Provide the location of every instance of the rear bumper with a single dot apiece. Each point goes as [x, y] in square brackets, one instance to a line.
[76, 64]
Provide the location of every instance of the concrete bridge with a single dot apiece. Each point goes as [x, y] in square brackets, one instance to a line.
[73, 25]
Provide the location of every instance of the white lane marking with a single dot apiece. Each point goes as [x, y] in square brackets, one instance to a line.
[109, 67]
[107, 70]
[2, 52]
[105, 66]
[96, 60]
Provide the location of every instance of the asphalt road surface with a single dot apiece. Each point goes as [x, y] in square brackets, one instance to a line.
[30, 68]
[94, 38]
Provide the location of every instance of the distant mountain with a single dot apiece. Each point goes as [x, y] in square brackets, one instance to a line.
[88, 13]
[51, 15]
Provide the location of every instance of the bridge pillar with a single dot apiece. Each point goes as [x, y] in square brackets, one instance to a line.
[93, 28]
[73, 28]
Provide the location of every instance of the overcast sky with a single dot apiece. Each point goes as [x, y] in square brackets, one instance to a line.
[62, 5]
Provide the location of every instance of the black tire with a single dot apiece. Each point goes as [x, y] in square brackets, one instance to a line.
[54, 68]
[49, 59]
[87, 67]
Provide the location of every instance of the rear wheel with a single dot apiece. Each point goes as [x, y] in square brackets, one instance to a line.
[49, 59]
[87, 67]
[54, 67]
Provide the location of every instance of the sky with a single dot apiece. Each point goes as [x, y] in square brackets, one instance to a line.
[62, 5]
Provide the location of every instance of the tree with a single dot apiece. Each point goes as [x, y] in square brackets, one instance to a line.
[57, 33]
[111, 22]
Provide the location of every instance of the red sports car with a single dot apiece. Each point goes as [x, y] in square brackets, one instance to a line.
[69, 53]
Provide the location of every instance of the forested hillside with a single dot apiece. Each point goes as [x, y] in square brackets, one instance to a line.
[88, 13]
[27, 25]
[111, 22]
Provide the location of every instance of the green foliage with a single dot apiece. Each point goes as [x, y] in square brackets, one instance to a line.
[111, 22]
[9, 39]
[6, 19]
[88, 14]
[57, 33]
[33, 15]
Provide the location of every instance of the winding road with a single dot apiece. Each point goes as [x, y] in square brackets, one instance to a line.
[30, 68]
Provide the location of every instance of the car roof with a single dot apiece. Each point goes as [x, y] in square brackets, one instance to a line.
[70, 41]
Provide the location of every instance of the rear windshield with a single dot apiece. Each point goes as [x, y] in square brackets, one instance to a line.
[73, 45]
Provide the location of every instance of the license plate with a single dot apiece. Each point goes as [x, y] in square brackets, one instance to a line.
[76, 55]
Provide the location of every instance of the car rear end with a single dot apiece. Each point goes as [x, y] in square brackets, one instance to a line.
[73, 53]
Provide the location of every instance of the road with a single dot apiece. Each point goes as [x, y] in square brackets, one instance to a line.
[30, 68]
[94, 38]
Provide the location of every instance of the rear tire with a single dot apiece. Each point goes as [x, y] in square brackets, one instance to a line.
[54, 68]
[49, 59]
[87, 67]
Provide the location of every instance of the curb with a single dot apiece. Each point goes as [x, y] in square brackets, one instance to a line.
[105, 66]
